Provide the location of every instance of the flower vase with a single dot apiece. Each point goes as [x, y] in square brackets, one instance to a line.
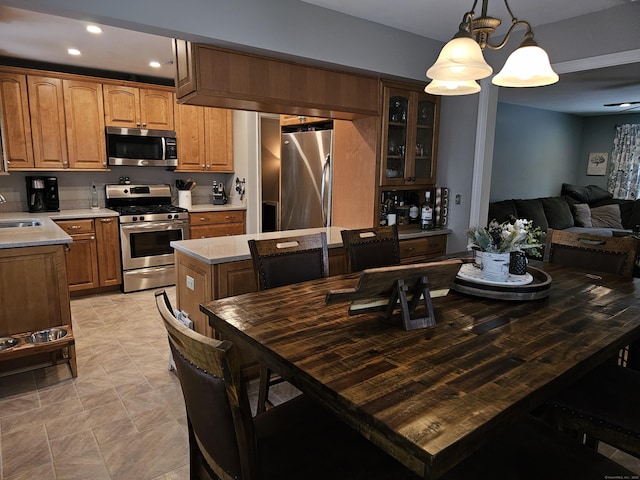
[495, 266]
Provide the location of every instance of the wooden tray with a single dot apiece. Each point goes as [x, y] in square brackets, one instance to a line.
[535, 290]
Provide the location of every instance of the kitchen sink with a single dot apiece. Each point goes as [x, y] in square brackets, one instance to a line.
[19, 223]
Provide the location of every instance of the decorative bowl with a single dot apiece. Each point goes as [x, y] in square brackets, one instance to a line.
[8, 342]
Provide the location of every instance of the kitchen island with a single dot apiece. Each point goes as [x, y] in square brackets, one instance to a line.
[33, 282]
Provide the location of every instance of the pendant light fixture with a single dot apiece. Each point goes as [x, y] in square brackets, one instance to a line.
[461, 62]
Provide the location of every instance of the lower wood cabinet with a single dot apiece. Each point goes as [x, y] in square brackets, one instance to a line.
[217, 224]
[93, 258]
[415, 250]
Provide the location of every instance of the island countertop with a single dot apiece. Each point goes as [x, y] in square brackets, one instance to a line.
[47, 233]
[235, 247]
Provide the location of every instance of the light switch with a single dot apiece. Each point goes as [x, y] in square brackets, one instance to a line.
[458, 199]
[191, 284]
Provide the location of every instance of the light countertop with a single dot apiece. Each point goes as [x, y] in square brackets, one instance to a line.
[235, 247]
[48, 233]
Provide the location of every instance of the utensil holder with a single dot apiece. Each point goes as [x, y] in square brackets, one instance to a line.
[184, 199]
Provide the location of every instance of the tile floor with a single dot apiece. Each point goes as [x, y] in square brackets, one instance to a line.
[123, 416]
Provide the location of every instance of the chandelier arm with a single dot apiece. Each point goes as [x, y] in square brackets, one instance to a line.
[528, 36]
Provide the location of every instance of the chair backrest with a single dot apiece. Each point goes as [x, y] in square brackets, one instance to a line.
[605, 254]
[216, 401]
[371, 247]
[284, 261]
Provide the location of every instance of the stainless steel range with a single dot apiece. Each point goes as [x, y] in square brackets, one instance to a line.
[148, 224]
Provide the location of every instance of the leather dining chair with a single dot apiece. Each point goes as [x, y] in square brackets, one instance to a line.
[602, 405]
[604, 254]
[371, 247]
[284, 261]
[299, 439]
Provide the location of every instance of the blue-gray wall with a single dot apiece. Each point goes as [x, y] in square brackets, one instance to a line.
[536, 151]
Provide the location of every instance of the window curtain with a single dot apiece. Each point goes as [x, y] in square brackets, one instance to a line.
[624, 179]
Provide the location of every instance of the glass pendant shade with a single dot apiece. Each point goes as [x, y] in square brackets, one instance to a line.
[445, 87]
[528, 66]
[460, 60]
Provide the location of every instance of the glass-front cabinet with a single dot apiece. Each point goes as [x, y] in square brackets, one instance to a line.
[409, 136]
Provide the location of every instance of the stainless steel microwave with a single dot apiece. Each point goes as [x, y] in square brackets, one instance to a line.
[141, 147]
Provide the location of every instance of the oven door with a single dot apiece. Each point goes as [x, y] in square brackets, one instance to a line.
[147, 244]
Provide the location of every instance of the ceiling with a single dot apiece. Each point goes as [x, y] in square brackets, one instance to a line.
[45, 38]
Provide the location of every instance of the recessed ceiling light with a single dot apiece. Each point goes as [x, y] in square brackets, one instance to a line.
[73, 51]
[154, 64]
[94, 29]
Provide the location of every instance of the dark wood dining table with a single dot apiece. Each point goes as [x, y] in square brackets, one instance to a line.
[431, 397]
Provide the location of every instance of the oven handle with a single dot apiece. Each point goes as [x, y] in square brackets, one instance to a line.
[154, 226]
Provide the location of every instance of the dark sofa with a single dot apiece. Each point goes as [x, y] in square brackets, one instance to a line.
[588, 209]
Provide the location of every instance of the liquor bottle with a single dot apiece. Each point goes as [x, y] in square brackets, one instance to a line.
[94, 196]
[426, 213]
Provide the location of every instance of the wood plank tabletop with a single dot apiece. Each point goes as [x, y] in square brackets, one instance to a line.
[432, 396]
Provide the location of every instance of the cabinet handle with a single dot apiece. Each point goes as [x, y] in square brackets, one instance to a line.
[106, 220]
[204, 166]
[92, 238]
[202, 219]
[208, 166]
[410, 249]
[74, 227]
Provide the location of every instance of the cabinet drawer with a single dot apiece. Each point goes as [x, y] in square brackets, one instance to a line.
[72, 227]
[426, 246]
[209, 218]
[206, 231]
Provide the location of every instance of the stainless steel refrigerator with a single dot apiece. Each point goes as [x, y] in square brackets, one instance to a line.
[305, 179]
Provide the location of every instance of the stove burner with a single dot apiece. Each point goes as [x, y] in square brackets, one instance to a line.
[147, 209]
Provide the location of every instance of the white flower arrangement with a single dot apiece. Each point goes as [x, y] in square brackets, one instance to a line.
[506, 237]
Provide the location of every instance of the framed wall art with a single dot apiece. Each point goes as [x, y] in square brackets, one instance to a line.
[598, 163]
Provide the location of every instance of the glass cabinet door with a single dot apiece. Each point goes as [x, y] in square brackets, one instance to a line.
[424, 166]
[394, 148]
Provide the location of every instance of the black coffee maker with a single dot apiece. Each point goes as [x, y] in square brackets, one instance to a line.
[42, 194]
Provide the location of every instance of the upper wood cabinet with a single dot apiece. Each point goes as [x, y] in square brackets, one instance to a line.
[84, 115]
[138, 107]
[215, 77]
[205, 139]
[409, 136]
[46, 104]
[15, 124]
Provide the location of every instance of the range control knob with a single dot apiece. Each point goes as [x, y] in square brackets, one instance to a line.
[134, 219]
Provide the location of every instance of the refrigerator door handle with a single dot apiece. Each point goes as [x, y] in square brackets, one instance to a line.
[325, 181]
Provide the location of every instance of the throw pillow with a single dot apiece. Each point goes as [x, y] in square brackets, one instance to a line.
[558, 213]
[502, 211]
[588, 194]
[607, 216]
[533, 210]
[582, 213]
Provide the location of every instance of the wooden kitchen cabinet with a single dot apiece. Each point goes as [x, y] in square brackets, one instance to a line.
[108, 251]
[46, 105]
[84, 116]
[422, 249]
[82, 255]
[138, 107]
[409, 143]
[93, 258]
[217, 224]
[205, 138]
[15, 121]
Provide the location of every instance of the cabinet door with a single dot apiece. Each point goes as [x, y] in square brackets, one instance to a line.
[190, 137]
[84, 114]
[121, 106]
[425, 142]
[82, 262]
[219, 139]
[46, 104]
[15, 124]
[108, 245]
[395, 137]
[156, 109]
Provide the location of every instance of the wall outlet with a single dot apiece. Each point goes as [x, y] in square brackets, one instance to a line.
[191, 283]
